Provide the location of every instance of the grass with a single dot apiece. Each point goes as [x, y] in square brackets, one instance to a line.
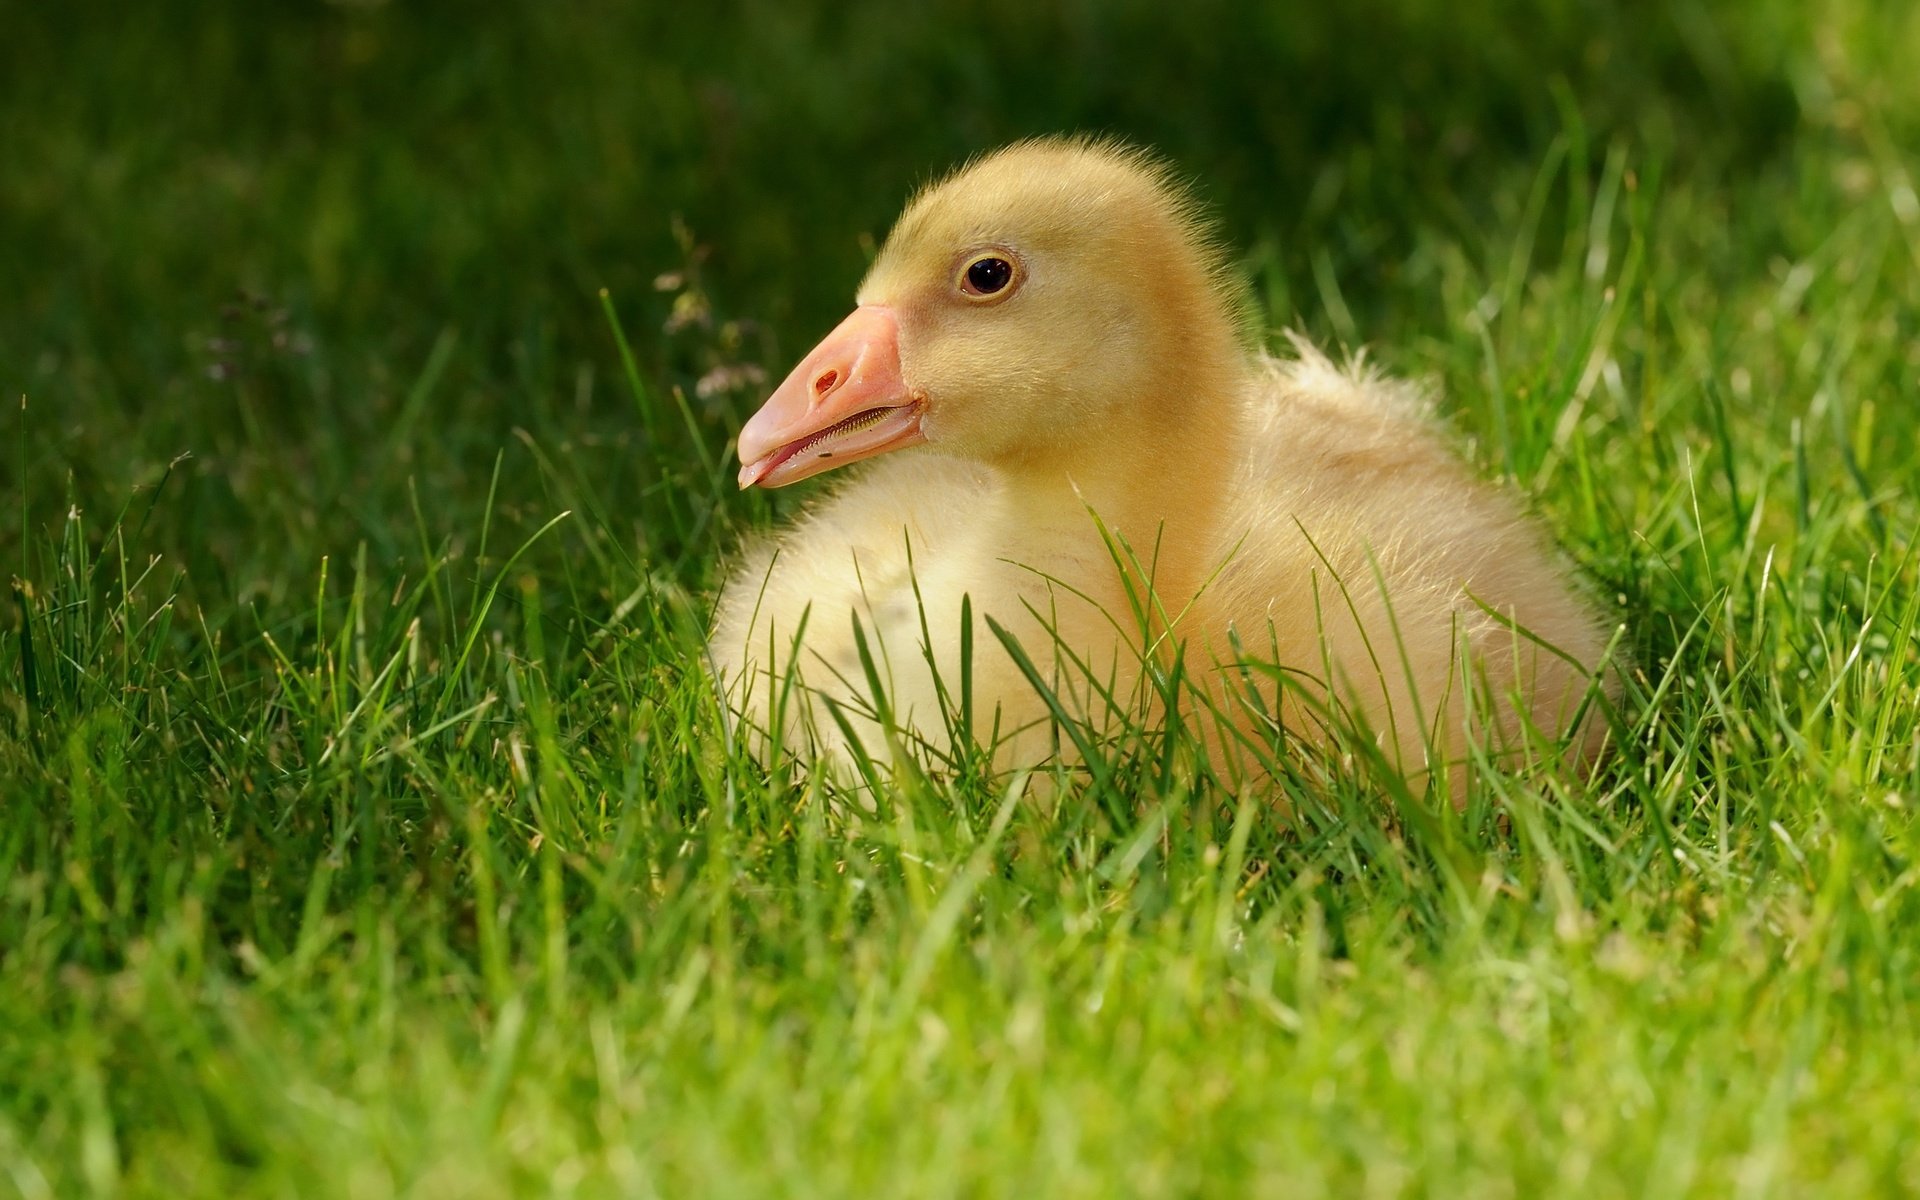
[366, 825]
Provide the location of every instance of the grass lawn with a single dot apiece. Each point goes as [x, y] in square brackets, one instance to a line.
[366, 822]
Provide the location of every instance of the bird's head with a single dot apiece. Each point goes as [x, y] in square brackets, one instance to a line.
[1038, 303]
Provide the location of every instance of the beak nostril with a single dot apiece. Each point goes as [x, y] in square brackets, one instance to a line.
[826, 383]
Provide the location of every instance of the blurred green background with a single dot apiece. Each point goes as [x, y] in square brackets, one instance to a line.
[388, 178]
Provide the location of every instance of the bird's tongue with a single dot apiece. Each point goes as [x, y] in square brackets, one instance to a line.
[845, 401]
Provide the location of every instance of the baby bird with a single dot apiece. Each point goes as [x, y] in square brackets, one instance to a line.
[1086, 483]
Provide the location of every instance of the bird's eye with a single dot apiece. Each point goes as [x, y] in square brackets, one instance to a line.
[986, 275]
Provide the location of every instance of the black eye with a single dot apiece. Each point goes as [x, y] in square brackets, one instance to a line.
[988, 274]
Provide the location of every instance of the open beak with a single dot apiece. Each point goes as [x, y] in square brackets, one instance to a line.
[845, 401]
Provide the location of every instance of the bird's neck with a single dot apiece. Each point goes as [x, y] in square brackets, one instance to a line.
[1156, 482]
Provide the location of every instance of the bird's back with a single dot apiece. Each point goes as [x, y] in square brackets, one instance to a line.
[1360, 556]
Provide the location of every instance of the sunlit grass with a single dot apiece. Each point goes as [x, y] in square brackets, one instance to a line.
[369, 824]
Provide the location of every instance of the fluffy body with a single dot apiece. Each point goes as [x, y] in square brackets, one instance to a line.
[1118, 481]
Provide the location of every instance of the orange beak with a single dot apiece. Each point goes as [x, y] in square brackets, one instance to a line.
[845, 401]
